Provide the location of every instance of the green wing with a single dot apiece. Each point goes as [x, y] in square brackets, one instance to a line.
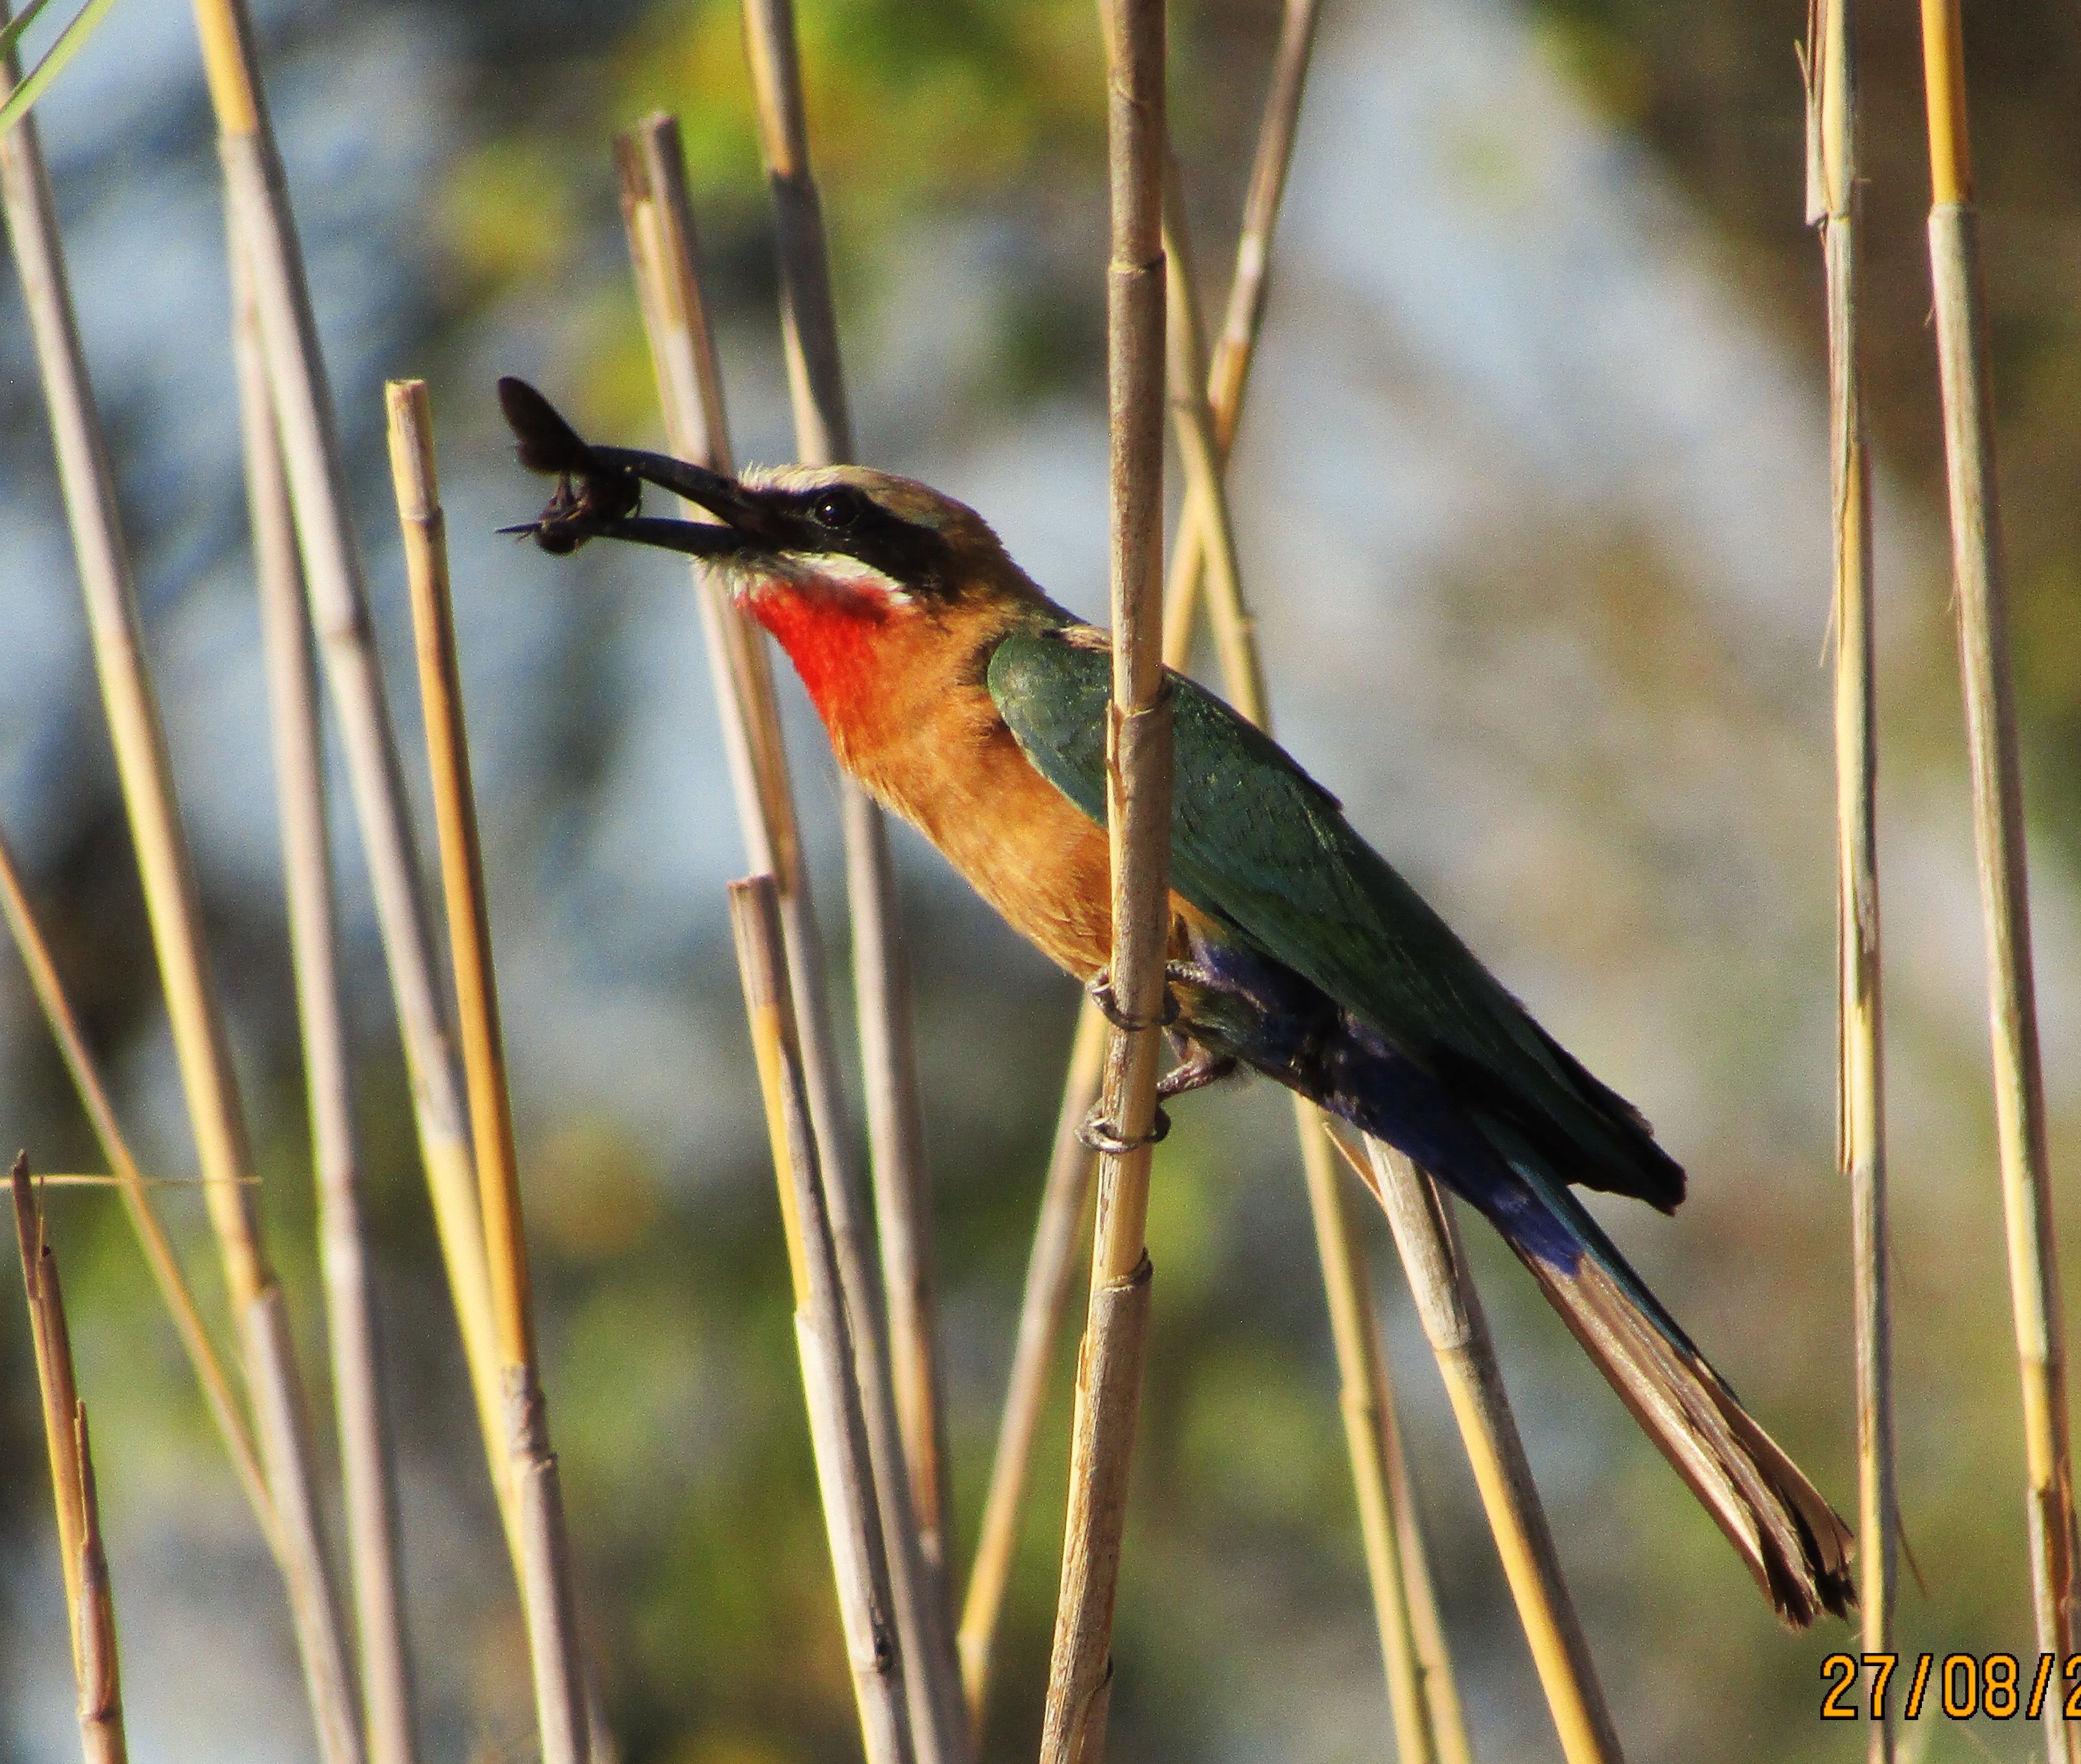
[1259, 843]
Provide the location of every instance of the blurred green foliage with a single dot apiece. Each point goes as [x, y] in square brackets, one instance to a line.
[912, 105]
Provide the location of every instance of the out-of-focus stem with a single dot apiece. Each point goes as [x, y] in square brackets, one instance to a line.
[894, 1316]
[1044, 1300]
[89, 1603]
[256, 204]
[201, 1046]
[1834, 206]
[366, 1466]
[831, 1379]
[1998, 825]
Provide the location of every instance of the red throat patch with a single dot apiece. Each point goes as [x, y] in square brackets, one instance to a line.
[832, 632]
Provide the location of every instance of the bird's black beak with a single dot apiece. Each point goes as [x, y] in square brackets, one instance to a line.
[599, 489]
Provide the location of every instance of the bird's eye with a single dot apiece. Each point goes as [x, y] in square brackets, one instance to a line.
[838, 509]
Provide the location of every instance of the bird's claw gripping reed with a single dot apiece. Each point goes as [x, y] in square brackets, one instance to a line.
[964, 700]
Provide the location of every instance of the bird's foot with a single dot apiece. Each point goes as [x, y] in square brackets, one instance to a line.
[1196, 1070]
[1099, 1135]
[1098, 989]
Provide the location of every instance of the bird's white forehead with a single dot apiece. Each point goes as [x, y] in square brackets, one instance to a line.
[904, 497]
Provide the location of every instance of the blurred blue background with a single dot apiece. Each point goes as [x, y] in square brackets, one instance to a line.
[1533, 499]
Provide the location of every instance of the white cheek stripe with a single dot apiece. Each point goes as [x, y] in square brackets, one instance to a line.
[834, 569]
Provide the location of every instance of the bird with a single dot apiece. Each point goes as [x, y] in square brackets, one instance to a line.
[966, 701]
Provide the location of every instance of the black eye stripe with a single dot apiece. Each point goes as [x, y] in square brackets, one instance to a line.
[860, 527]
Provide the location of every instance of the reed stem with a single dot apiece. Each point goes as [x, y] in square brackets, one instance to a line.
[1050, 1268]
[201, 1046]
[1235, 349]
[1450, 1311]
[831, 1381]
[365, 1447]
[1138, 825]
[257, 211]
[1998, 825]
[905, 1423]
[543, 1561]
[1428, 1724]
[166, 1275]
[1429, 1728]
[662, 249]
[1042, 1305]
[89, 1605]
[1834, 206]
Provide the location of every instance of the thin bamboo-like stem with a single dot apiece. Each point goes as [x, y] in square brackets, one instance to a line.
[89, 1606]
[662, 249]
[101, 1733]
[56, 1383]
[258, 214]
[664, 254]
[895, 1315]
[545, 1562]
[201, 1046]
[1206, 494]
[1998, 824]
[1070, 1166]
[1425, 1700]
[159, 1256]
[366, 1464]
[1428, 1238]
[831, 1381]
[1235, 349]
[823, 436]
[1423, 1734]
[1834, 206]
[1045, 1300]
[1138, 825]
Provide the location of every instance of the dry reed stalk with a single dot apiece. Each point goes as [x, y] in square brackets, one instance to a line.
[56, 1383]
[201, 1046]
[1243, 319]
[1998, 817]
[664, 254]
[159, 1256]
[831, 1381]
[1138, 826]
[1833, 205]
[897, 1338]
[1429, 1728]
[543, 1561]
[1206, 511]
[258, 215]
[89, 1605]
[1070, 1166]
[823, 434]
[1998, 824]
[1428, 1721]
[1046, 1298]
[366, 1465]
[101, 1733]
[659, 220]
[1450, 1311]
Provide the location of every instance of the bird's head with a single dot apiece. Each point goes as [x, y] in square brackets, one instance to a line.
[799, 548]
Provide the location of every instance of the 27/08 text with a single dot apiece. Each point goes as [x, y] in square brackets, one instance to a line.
[1964, 1685]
